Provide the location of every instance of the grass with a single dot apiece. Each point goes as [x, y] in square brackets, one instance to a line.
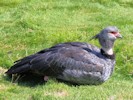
[27, 26]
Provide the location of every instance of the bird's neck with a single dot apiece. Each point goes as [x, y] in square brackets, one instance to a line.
[108, 53]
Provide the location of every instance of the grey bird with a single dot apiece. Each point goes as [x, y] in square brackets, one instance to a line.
[74, 62]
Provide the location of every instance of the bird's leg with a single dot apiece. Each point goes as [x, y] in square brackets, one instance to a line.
[46, 78]
[15, 78]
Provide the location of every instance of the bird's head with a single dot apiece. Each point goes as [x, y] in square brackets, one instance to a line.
[106, 37]
[108, 33]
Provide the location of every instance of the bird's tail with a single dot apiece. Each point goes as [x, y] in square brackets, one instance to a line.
[18, 69]
[21, 66]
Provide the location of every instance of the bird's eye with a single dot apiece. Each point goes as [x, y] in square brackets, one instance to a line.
[113, 32]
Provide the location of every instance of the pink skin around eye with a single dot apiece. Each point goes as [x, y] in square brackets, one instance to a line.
[115, 33]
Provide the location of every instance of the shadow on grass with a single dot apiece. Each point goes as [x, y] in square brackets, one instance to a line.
[28, 80]
[32, 80]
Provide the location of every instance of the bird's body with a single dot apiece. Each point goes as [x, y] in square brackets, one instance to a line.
[75, 62]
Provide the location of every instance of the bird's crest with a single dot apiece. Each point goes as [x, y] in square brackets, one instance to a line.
[95, 37]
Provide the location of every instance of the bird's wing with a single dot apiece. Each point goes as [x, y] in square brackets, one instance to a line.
[62, 57]
[55, 59]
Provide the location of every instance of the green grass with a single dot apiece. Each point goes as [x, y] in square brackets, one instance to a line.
[27, 26]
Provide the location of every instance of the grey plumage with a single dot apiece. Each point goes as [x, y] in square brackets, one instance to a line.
[75, 62]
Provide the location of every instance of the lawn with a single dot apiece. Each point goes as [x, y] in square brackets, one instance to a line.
[27, 26]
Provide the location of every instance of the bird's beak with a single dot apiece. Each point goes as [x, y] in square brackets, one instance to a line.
[118, 35]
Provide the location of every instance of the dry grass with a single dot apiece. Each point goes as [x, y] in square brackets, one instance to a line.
[2, 70]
